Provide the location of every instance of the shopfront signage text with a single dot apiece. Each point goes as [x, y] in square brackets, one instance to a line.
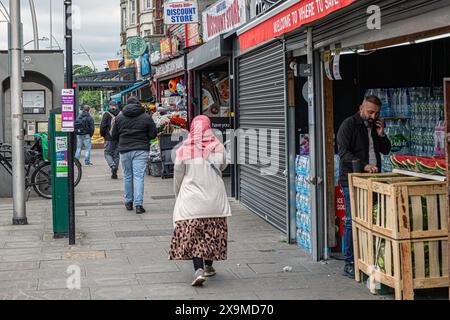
[180, 12]
[173, 66]
[290, 19]
[223, 16]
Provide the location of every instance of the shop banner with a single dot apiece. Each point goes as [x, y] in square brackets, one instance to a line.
[290, 19]
[180, 12]
[223, 16]
[170, 67]
[68, 110]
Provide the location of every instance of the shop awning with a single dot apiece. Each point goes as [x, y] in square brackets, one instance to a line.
[134, 87]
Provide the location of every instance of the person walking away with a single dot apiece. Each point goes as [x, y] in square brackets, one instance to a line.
[84, 128]
[111, 151]
[201, 208]
[133, 129]
[360, 137]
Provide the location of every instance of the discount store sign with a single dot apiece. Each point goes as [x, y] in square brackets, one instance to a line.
[180, 12]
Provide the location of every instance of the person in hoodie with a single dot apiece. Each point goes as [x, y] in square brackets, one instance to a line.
[133, 129]
[112, 156]
[84, 128]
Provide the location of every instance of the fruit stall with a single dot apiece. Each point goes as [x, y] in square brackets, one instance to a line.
[400, 218]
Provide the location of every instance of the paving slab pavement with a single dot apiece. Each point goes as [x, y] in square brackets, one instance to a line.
[121, 255]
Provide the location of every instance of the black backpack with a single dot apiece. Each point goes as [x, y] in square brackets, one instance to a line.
[82, 125]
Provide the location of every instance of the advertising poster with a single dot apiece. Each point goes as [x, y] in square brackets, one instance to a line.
[216, 94]
[62, 168]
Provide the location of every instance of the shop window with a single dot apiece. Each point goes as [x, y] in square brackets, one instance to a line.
[215, 94]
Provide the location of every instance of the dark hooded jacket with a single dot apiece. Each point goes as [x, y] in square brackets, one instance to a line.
[353, 144]
[105, 126]
[85, 124]
[134, 129]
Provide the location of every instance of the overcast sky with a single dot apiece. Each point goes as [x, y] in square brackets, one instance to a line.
[97, 28]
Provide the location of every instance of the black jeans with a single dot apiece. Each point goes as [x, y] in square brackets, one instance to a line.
[199, 263]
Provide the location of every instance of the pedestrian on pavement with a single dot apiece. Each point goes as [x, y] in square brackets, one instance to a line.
[201, 208]
[84, 128]
[133, 129]
[111, 146]
[360, 137]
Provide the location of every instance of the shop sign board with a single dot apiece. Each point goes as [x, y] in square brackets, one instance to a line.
[67, 110]
[223, 16]
[295, 16]
[136, 47]
[180, 12]
[170, 67]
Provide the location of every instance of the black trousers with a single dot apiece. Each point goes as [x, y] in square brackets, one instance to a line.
[199, 263]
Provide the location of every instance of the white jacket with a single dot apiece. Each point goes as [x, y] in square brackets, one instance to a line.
[199, 188]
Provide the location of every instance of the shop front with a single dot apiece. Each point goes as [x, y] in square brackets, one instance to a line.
[210, 67]
[276, 99]
[400, 215]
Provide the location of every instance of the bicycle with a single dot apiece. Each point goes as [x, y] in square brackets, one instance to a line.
[38, 172]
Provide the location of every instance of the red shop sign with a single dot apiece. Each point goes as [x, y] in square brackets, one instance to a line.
[306, 11]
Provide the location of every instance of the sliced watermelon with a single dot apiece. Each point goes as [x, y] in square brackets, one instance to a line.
[399, 161]
[441, 164]
[425, 165]
[410, 163]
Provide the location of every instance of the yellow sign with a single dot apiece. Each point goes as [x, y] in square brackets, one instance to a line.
[58, 123]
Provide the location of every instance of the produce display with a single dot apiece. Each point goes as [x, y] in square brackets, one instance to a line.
[426, 165]
[414, 120]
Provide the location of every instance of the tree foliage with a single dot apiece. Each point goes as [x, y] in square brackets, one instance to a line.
[90, 97]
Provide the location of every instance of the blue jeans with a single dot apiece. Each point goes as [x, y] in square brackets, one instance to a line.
[134, 164]
[348, 236]
[86, 141]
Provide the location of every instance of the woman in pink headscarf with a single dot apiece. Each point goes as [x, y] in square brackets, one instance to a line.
[201, 208]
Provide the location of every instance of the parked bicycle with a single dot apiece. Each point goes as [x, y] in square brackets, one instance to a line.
[38, 172]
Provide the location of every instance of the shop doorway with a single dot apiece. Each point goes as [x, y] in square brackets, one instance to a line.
[408, 79]
[214, 93]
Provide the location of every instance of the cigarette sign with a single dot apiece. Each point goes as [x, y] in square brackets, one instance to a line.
[180, 12]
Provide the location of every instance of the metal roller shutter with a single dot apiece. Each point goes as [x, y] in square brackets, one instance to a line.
[261, 105]
[353, 20]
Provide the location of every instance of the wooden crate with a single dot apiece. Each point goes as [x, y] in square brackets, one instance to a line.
[406, 207]
[404, 265]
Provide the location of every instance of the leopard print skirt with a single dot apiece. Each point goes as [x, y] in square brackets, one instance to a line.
[199, 238]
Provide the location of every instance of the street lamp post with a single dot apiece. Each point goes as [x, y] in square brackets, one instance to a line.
[88, 55]
[71, 138]
[18, 161]
[35, 26]
[42, 39]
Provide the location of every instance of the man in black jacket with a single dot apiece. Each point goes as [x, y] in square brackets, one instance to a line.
[111, 146]
[134, 129]
[360, 137]
[84, 128]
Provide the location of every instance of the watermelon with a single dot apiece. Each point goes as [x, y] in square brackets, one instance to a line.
[410, 163]
[425, 165]
[399, 161]
[441, 165]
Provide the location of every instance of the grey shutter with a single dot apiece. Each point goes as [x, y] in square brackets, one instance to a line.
[353, 20]
[261, 105]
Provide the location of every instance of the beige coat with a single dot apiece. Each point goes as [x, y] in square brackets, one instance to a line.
[199, 189]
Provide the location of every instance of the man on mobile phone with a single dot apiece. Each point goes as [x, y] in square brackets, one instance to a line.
[360, 137]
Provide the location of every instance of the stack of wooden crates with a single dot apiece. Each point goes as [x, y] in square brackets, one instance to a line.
[400, 232]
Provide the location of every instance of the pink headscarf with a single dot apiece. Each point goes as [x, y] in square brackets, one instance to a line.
[200, 142]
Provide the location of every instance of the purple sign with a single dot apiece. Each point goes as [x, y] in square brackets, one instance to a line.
[67, 114]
